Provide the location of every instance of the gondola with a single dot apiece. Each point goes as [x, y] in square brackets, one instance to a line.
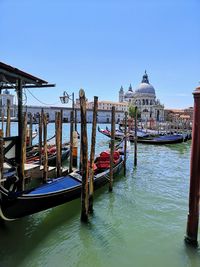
[34, 158]
[17, 204]
[151, 140]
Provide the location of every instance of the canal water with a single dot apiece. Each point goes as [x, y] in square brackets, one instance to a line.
[141, 223]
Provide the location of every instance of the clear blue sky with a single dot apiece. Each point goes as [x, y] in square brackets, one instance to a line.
[103, 44]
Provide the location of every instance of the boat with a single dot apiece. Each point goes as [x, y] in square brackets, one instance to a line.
[34, 158]
[148, 139]
[15, 204]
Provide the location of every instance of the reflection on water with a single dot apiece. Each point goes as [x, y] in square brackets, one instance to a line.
[141, 223]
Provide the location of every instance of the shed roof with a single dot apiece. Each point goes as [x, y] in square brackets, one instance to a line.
[9, 74]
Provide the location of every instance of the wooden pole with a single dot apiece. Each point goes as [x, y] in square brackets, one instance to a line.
[135, 139]
[2, 121]
[21, 126]
[1, 156]
[75, 120]
[45, 158]
[112, 144]
[8, 119]
[71, 142]
[23, 152]
[31, 130]
[194, 195]
[61, 129]
[40, 135]
[92, 154]
[125, 141]
[58, 141]
[84, 149]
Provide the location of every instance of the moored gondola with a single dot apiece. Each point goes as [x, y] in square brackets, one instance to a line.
[16, 204]
[148, 139]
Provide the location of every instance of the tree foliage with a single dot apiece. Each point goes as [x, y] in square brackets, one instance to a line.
[131, 112]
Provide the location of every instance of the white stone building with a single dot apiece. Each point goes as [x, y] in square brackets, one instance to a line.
[4, 97]
[144, 97]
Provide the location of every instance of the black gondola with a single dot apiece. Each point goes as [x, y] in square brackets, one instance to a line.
[14, 205]
[151, 140]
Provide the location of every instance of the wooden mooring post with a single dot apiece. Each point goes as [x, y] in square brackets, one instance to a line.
[125, 141]
[75, 120]
[71, 141]
[61, 135]
[194, 194]
[23, 151]
[84, 149]
[30, 129]
[40, 135]
[58, 141]
[2, 122]
[8, 119]
[45, 155]
[92, 154]
[112, 146]
[1, 155]
[135, 139]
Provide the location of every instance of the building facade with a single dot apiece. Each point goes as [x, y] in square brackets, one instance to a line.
[4, 97]
[144, 97]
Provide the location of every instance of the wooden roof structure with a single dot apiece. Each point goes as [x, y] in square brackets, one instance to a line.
[13, 78]
[9, 75]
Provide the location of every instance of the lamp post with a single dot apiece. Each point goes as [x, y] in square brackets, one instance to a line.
[66, 97]
[73, 135]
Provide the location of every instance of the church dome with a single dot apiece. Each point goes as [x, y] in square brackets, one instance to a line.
[129, 93]
[145, 87]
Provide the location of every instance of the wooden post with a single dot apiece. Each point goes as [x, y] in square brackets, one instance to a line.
[21, 133]
[58, 141]
[92, 154]
[75, 149]
[61, 129]
[8, 119]
[84, 149]
[75, 120]
[2, 121]
[125, 141]
[31, 130]
[23, 151]
[45, 157]
[40, 135]
[135, 139]
[112, 144]
[1, 156]
[194, 195]
[71, 142]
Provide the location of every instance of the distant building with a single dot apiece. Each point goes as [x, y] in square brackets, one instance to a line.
[144, 97]
[107, 105]
[4, 97]
[179, 114]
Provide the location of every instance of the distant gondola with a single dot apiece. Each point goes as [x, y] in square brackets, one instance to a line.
[147, 139]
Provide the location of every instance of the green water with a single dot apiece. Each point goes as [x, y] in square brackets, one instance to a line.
[141, 223]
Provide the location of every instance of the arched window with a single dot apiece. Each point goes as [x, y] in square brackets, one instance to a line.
[147, 102]
[143, 102]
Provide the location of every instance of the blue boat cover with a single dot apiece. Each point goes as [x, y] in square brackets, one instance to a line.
[55, 185]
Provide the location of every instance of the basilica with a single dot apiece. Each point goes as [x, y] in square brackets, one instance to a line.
[144, 97]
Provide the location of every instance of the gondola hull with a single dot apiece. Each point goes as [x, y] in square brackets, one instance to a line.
[159, 140]
[56, 192]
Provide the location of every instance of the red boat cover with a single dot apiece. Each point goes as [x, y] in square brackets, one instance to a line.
[103, 161]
